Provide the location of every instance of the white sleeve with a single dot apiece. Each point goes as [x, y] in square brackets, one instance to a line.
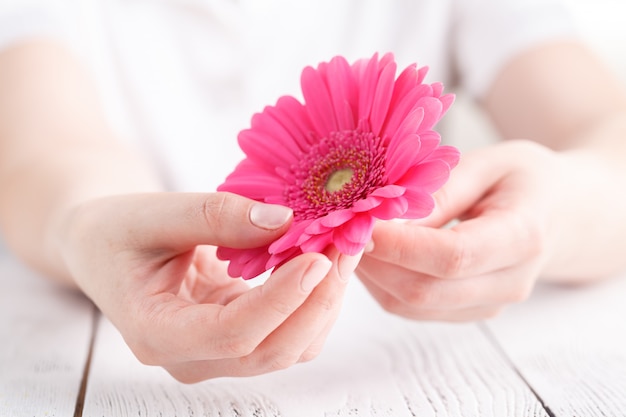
[488, 33]
[21, 19]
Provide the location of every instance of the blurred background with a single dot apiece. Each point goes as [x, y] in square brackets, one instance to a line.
[602, 24]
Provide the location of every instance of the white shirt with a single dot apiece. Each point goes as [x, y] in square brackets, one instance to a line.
[180, 78]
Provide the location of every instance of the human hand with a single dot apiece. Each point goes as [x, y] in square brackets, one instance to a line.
[145, 261]
[503, 198]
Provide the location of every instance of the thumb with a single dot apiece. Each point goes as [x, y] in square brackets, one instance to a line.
[183, 220]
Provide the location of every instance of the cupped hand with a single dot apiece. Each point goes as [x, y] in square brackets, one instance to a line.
[482, 248]
[148, 262]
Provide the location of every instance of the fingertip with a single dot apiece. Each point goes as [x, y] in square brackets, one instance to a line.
[315, 273]
[346, 265]
[269, 216]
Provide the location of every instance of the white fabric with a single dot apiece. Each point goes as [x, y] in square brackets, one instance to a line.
[181, 77]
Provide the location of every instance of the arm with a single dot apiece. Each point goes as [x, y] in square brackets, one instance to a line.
[546, 205]
[55, 151]
[563, 97]
[82, 208]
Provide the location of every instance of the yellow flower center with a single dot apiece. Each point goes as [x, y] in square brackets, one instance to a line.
[338, 179]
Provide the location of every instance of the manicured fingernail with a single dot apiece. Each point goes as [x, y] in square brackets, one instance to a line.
[346, 265]
[269, 216]
[369, 247]
[315, 274]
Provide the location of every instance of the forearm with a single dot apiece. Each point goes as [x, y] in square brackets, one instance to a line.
[56, 151]
[591, 207]
[38, 194]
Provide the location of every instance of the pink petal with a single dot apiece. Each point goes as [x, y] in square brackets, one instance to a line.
[391, 208]
[406, 81]
[255, 267]
[401, 155]
[351, 238]
[263, 147]
[278, 259]
[421, 204]
[366, 204]
[409, 125]
[259, 188]
[290, 238]
[318, 102]
[360, 229]
[296, 120]
[337, 218]
[427, 177]
[421, 74]
[388, 191]
[446, 102]
[316, 227]
[343, 91]
[367, 83]
[317, 243]
[437, 89]
[382, 98]
[268, 124]
[450, 155]
[405, 105]
[433, 110]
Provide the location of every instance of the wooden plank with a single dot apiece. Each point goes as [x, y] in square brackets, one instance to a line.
[374, 364]
[569, 343]
[45, 333]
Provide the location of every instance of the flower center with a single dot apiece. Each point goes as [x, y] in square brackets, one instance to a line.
[338, 179]
[335, 173]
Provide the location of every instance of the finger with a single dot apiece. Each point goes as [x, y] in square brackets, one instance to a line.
[495, 240]
[304, 333]
[208, 282]
[396, 285]
[182, 220]
[299, 338]
[476, 174]
[404, 309]
[171, 330]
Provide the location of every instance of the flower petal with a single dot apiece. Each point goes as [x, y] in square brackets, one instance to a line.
[391, 208]
[388, 191]
[317, 243]
[433, 110]
[290, 238]
[366, 204]
[382, 98]
[318, 102]
[427, 177]
[258, 187]
[351, 238]
[343, 92]
[336, 218]
[402, 155]
[399, 110]
[262, 147]
[421, 204]
[450, 155]
[368, 78]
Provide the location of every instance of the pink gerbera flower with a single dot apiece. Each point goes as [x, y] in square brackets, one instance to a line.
[361, 147]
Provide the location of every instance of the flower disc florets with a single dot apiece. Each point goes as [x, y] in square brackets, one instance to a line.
[335, 173]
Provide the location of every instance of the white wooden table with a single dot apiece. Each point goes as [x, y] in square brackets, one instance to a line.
[562, 353]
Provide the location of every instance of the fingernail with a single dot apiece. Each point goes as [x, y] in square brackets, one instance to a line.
[315, 274]
[346, 265]
[269, 216]
[369, 247]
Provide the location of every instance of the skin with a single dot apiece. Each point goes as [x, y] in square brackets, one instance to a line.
[551, 208]
[90, 213]
[65, 179]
